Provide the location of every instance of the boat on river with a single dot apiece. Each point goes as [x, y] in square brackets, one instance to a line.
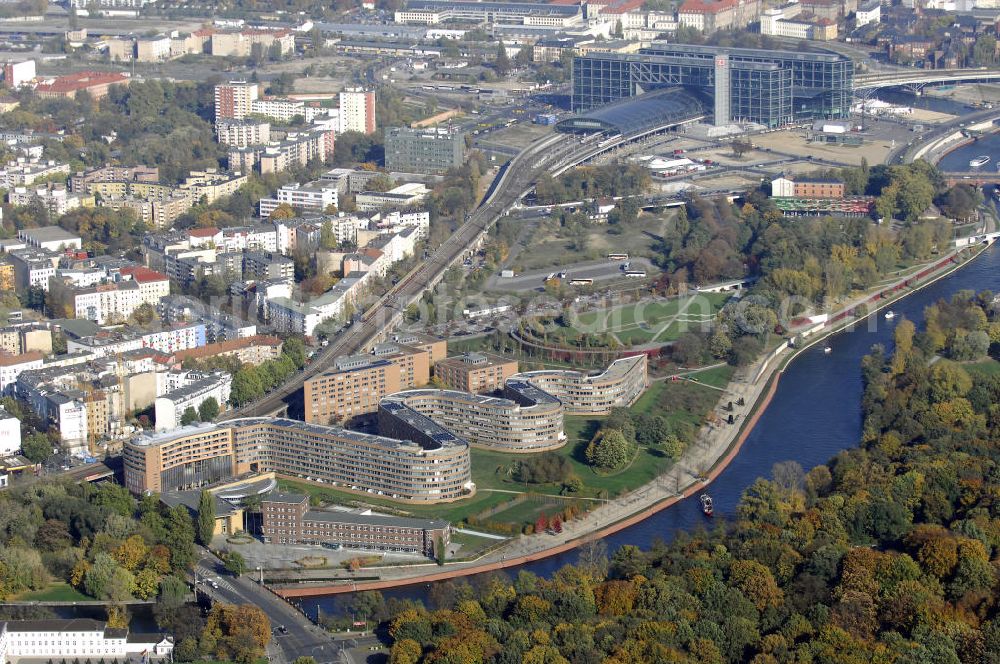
[706, 505]
[827, 349]
[889, 315]
[981, 160]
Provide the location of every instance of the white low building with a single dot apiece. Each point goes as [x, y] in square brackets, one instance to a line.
[54, 639]
[10, 433]
[318, 195]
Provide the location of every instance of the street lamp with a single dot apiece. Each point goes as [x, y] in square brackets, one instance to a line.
[260, 571]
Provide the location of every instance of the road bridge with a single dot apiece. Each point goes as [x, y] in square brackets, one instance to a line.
[918, 78]
[977, 178]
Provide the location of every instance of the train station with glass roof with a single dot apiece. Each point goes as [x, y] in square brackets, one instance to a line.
[639, 114]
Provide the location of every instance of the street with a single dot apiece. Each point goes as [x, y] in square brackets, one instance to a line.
[293, 635]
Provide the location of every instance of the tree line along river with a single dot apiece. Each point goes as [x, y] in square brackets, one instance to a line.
[814, 414]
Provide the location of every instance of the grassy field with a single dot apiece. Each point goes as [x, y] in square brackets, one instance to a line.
[547, 248]
[56, 592]
[472, 545]
[987, 367]
[647, 322]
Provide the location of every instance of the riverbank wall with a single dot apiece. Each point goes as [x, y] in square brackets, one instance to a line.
[774, 366]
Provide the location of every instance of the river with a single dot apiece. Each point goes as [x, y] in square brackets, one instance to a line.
[815, 413]
[958, 160]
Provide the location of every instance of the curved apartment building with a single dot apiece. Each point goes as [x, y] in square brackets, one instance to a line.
[581, 394]
[526, 419]
[433, 466]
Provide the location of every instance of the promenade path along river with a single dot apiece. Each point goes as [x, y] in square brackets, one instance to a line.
[815, 413]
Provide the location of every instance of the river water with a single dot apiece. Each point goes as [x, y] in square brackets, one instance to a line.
[958, 160]
[815, 413]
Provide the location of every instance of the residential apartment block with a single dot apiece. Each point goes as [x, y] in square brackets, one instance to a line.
[317, 196]
[478, 373]
[357, 110]
[357, 383]
[53, 197]
[422, 471]
[618, 386]
[234, 100]
[189, 389]
[423, 150]
[243, 133]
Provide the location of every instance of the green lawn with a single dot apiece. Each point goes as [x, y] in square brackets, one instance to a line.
[526, 512]
[472, 544]
[716, 376]
[56, 592]
[645, 322]
[987, 367]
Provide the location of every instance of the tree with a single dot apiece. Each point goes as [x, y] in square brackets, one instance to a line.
[283, 211]
[236, 563]
[740, 147]
[502, 62]
[131, 553]
[208, 410]
[611, 451]
[541, 523]
[189, 416]
[440, 552]
[37, 447]
[206, 518]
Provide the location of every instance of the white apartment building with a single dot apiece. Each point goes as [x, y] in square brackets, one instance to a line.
[57, 639]
[107, 303]
[25, 171]
[10, 433]
[189, 390]
[316, 195]
[152, 284]
[396, 221]
[33, 268]
[168, 340]
[55, 198]
[290, 317]
[868, 12]
[18, 74]
[357, 110]
[284, 109]
[11, 366]
[243, 133]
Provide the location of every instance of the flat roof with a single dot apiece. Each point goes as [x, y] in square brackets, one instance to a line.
[374, 520]
[48, 234]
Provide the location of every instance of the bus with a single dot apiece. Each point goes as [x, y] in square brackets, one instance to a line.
[581, 282]
[617, 257]
[635, 274]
